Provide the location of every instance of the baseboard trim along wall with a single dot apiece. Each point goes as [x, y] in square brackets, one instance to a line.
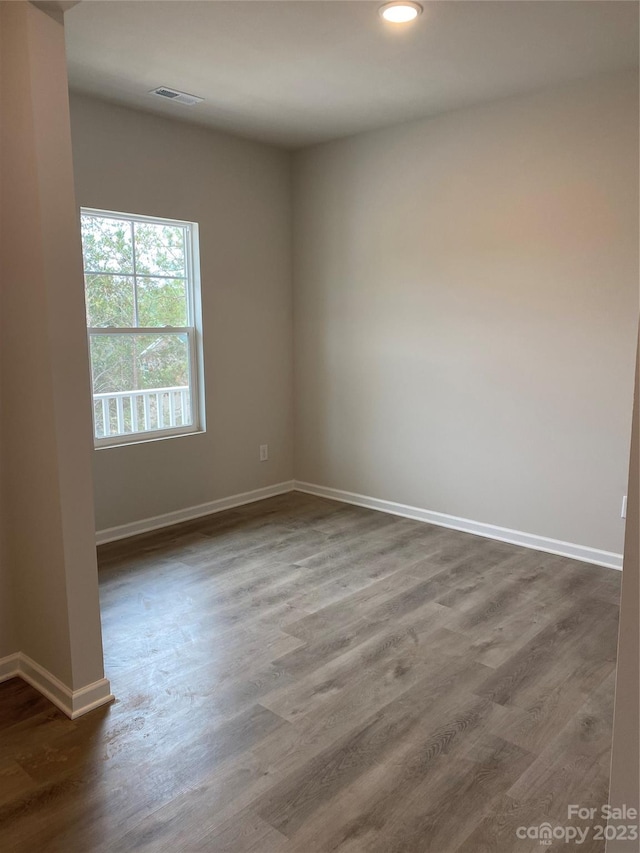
[9, 667]
[73, 703]
[146, 525]
[609, 559]
[489, 531]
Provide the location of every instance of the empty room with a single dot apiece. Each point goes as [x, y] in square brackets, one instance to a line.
[319, 426]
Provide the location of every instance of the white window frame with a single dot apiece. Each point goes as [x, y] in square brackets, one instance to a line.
[193, 331]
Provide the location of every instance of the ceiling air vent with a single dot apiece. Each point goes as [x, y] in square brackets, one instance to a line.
[174, 95]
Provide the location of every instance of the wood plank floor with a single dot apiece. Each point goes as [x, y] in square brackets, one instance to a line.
[300, 675]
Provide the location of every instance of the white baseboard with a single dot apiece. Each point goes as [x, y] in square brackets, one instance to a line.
[73, 703]
[146, 525]
[9, 667]
[478, 528]
[490, 531]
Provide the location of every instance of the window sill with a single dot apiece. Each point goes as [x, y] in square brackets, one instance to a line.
[127, 442]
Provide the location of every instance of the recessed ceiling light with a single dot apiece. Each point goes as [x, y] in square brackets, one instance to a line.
[400, 11]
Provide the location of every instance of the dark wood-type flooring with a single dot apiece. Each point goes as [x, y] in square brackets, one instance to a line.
[301, 675]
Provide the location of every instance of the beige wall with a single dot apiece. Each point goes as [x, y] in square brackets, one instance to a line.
[465, 311]
[8, 638]
[8, 641]
[239, 193]
[47, 508]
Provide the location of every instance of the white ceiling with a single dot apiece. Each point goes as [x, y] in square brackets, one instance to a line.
[297, 72]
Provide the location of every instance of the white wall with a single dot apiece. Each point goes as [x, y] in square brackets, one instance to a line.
[625, 753]
[8, 640]
[48, 542]
[466, 299]
[239, 193]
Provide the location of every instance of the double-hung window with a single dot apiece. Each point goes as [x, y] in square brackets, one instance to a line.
[142, 298]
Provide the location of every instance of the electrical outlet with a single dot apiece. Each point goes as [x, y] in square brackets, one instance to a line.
[264, 452]
[623, 511]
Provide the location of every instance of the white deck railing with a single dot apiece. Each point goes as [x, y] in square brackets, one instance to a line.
[122, 412]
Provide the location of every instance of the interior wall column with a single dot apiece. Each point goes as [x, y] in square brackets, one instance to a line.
[47, 493]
